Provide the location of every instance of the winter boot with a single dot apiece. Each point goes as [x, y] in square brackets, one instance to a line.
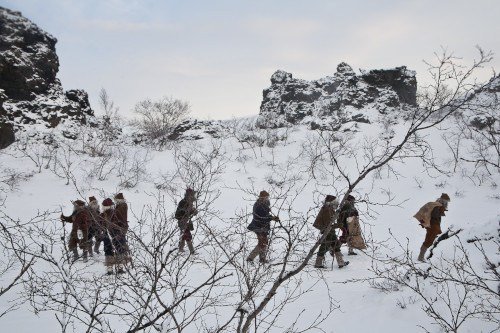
[319, 262]
[96, 247]
[340, 259]
[182, 242]
[85, 256]
[351, 252]
[190, 247]
[75, 255]
[421, 257]
[253, 254]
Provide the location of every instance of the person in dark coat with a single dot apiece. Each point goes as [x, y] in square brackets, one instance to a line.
[79, 230]
[261, 225]
[346, 211]
[429, 217]
[326, 217]
[184, 213]
[114, 238]
[95, 225]
[121, 211]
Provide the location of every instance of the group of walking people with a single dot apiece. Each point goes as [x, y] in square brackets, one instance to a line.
[330, 218]
[347, 221]
[109, 224]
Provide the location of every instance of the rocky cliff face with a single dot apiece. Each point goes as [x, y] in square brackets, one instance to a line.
[345, 95]
[31, 92]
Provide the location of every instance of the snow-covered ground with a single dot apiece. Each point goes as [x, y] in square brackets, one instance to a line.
[296, 193]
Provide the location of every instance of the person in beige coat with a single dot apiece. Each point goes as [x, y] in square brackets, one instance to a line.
[429, 216]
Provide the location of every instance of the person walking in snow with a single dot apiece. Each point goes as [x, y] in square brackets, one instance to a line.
[95, 225]
[429, 216]
[121, 211]
[326, 217]
[347, 211]
[261, 225]
[114, 238]
[79, 229]
[185, 211]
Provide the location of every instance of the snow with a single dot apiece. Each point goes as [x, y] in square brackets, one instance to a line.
[361, 307]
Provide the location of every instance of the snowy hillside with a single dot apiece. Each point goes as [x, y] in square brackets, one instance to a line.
[228, 174]
[366, 134]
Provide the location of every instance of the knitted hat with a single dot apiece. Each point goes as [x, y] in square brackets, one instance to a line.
[263, 194]
[119, 196]
[350, 198]
[92, 199]
[79, 203]
[107, 202]
[330, 198]
[445, 196]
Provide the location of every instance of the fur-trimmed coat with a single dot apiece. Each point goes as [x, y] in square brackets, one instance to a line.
[355, 237]
[94, 215]
[347, 210]
[79, 219]
[111, 222]
[325, 217]
[430, 214]
[121, 212]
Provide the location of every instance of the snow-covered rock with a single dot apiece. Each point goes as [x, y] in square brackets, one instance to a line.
[335, 98]
[32, 94]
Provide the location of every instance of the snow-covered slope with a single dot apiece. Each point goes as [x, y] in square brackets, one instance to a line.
[386, 199]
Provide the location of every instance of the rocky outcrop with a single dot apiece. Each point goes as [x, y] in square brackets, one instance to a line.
[7, 135]
[342, 96]
[192, 129]
[28, 71]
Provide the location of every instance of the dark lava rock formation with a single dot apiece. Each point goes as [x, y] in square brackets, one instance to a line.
[344, 95]
[30, 92]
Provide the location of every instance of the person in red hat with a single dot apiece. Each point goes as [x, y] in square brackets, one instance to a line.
[112, 244]
[185, 211]
[326, 217]
[261, 225]
[79, 230]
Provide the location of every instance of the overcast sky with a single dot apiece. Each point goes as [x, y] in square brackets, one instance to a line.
[219, 55]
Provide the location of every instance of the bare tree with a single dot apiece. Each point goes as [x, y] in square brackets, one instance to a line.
[156, 119]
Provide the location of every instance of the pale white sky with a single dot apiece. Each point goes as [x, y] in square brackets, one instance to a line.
[219, 55]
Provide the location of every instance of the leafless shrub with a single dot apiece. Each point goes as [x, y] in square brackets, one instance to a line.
[453, 289]
[131, 167]
[156, 119]
[11, 178]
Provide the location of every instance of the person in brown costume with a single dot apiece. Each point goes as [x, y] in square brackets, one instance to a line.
[429, 216]
[185, 211]
[326, 217]
[79, 230]
[114, 238]
[95, 225]
[121, 212]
